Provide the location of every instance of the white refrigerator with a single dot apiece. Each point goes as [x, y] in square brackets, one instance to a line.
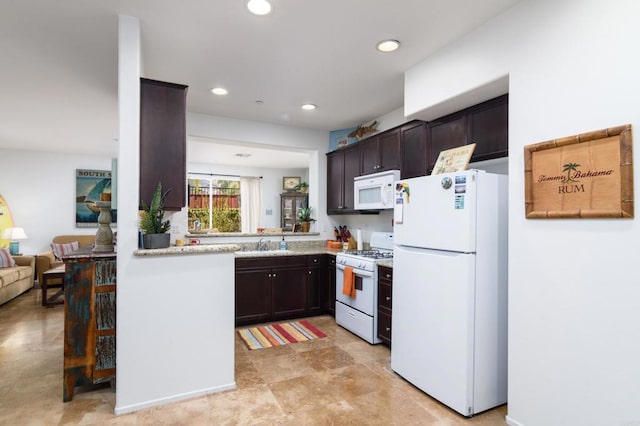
[449, 297]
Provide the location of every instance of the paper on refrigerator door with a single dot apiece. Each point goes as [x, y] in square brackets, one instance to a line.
[398, 210]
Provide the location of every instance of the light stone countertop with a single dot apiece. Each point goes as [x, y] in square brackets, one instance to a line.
[179, 250]
[222, 235]
[294, 249]
[242, 250]
[388, 263]
[289, 252]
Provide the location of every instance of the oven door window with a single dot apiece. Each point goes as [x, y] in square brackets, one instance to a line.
[357, 282]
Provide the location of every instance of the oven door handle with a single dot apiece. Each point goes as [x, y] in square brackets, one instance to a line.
[358, 272]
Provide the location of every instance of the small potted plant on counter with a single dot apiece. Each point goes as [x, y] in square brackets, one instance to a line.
[304, 217]
[153, 226]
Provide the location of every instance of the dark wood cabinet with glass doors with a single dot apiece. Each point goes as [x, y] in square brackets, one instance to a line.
[290, 203]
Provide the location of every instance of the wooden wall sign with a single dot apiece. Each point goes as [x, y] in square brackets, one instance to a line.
[583, 176]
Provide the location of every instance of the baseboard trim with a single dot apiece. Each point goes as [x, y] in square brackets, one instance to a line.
[512, 422]
[170, 399]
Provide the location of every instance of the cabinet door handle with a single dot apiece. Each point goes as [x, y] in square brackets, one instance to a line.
[269, 275]
[388, 298]
[274, 275]
[309, 272]
[388, 275]
[388, 329]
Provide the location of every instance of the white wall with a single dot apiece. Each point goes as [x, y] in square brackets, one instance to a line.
[574, 298]
[40, 189]
[175, 313]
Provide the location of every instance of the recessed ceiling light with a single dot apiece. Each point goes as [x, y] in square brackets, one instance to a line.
[309, 107]
[259, 7]
[388, 45]
[219, 91]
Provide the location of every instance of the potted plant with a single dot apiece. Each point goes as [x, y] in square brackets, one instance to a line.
[304, 217]
[302, 187]
[153, 226]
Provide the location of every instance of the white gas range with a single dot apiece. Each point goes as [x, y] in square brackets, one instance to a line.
[359, 314]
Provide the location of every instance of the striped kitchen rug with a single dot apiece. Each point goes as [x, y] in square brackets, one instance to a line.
[268, 336]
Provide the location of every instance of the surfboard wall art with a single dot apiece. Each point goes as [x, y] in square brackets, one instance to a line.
[6, 220]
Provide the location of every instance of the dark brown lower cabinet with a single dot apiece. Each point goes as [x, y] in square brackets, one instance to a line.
[331, 280]
[289, 292]
[280, 287]
[89, 321]
[253, 296]
[317, 285]
[385, 280]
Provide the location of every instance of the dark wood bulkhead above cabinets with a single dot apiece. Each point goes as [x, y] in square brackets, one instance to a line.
[413, 148]
[163, 141]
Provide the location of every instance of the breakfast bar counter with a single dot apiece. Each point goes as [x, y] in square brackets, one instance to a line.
[178, 250]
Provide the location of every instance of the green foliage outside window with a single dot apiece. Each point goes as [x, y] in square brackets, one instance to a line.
[224, 219]
[223, 195]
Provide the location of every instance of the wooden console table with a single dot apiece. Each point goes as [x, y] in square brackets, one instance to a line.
[89, 320]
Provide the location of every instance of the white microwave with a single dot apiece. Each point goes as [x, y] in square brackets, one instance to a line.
[375, 191]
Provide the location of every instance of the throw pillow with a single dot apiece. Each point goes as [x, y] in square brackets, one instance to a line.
[60, 250]
[6, 261]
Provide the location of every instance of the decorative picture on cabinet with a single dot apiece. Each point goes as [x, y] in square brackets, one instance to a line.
[453, 160]
[289, 183]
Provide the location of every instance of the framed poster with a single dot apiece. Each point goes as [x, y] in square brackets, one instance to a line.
[453, 160]
[92, 186]
[582, 176]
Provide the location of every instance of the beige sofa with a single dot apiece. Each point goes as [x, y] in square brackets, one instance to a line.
[46, 260]
[16, 280]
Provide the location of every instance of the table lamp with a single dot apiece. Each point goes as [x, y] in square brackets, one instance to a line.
[13, 234]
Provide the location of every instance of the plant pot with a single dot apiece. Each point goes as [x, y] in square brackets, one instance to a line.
[305, 226]
[155, 241]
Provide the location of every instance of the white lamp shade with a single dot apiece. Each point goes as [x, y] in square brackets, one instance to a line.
[14, 234]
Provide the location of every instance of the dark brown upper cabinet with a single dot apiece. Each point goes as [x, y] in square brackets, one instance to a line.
[381, 152]
[488, 127]
[414, 148]
[163, 135]
[485, 124]
[342, 166]
[446, 133]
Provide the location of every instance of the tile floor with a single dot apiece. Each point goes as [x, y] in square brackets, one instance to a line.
[338, 380]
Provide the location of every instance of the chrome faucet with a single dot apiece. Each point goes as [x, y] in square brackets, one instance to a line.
[262, 245]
